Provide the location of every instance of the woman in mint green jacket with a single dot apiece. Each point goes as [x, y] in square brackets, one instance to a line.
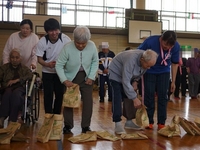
[78, 63]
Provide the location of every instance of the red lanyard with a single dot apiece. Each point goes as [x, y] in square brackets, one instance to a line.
[180, 64]
[142, 89]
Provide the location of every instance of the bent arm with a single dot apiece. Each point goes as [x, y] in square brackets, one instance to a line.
[33, 52]
[6, 51]
[174, 68]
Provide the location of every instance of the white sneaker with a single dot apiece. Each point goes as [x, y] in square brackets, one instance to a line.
[118, 128]
[132, 125]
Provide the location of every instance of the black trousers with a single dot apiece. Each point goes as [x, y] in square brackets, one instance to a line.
[53, 93]
[180, 82]
[12, 101]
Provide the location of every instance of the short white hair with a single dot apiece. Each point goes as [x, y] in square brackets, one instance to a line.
[81, 34]
[15, 50]
[149, 55]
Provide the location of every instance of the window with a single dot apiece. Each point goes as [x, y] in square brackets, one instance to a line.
[4, 11]
[67, 14]
[30, 7]
[179, 15]
[15, 12]
[192, 6]
[86, 12]
[153, 4]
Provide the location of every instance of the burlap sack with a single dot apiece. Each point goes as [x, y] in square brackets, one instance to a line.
[169, 131]
[195, 129]
[19, 137]
[56, 131]
[4, 131]
[197, 121]
[84, 137]
[3, 135]
[175, 120]
[12, 128]
[173, 129]
[71, 97]
[106, 136]
[45, 131]
[189, 127]
[142, 117]
[135, 136]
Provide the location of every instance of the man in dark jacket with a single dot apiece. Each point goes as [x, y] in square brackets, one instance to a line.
[13, 76]
[105, 58]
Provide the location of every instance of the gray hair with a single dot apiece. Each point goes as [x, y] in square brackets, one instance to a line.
[15, 50]
[81, 34]
[149, 55]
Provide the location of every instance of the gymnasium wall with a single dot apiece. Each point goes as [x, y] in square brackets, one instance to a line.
[117, 42]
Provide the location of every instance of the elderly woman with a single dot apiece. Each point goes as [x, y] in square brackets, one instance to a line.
[13, 76]
[78, 63]
[25, 41]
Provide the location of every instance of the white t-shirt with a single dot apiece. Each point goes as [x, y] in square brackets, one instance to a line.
[52, 50]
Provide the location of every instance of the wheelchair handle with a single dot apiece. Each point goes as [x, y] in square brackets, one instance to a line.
[31, 86]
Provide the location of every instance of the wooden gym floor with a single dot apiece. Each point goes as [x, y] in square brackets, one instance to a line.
[102, 120]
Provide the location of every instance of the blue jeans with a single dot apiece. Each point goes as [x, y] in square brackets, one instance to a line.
[156, 83]
[118, 96]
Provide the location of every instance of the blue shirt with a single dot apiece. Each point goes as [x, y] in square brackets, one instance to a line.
[153, 43]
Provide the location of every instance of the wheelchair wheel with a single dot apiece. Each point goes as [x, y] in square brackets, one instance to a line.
[28, 119]
[29, 112]
[36, 103]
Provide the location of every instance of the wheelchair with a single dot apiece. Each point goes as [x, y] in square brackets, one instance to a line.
[31, 108]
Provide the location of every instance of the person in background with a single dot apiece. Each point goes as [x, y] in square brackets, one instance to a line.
[128, 48]
[25, 41]
[13, 76]
[157, 77]
[48, 49]
[125, 70]
[178, 80]
[78, 63]
[184, 77]
[105, 58]
[181, 79]
[193, 70]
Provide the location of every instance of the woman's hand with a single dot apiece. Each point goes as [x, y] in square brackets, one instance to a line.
[33, 66]
[89, 81]
[68, 83]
